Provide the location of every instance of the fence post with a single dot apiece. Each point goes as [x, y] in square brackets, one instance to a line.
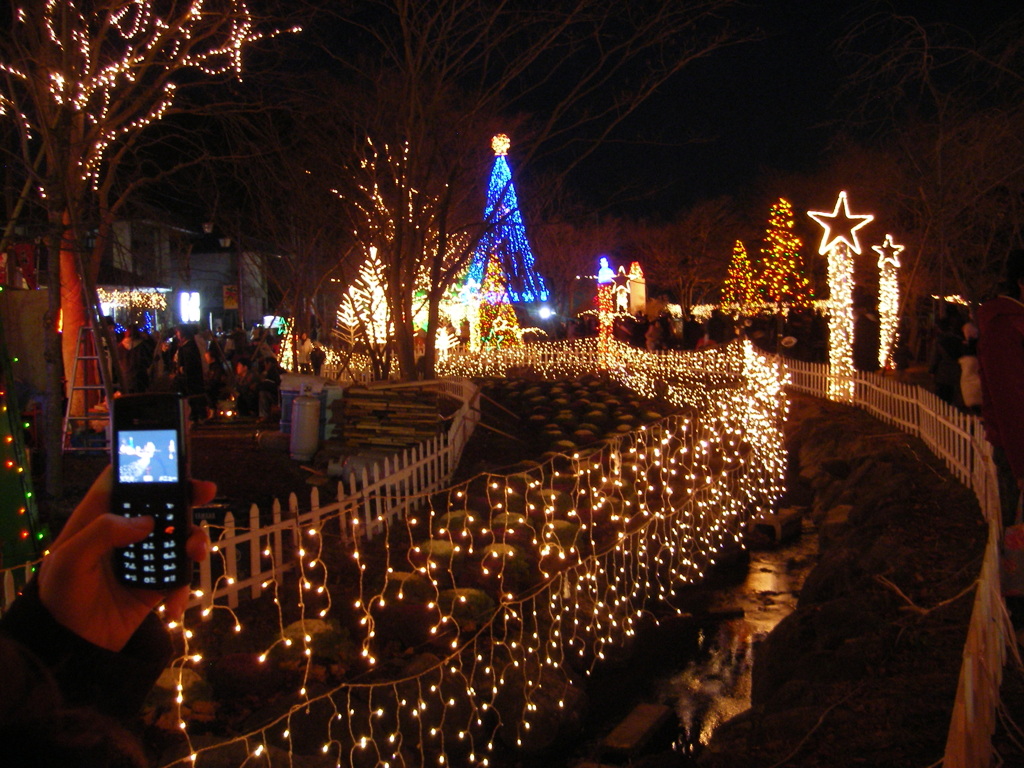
[206, 576]
[374, 506]
[387, 490]
[255, 553]
[343, 517]
[229, 554]
[356, 518]
[276, 516]
[10, 591]
[367, 505]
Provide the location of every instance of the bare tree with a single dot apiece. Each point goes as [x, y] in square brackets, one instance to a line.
[568, 250]
[284, 165]
[940, 116]
[81, 82]
[689, 256]
[437, 77]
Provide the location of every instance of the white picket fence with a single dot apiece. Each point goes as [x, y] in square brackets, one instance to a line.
[958, 439]
[249, 557]
[377, 494]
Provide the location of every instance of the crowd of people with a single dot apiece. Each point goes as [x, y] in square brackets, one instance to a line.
[239, 367]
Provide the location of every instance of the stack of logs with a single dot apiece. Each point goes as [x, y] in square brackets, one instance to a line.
[389, 417]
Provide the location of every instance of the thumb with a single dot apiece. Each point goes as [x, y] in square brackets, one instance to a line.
[109, 531]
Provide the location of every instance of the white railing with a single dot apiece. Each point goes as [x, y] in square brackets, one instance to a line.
[249, 558]
[957, 439]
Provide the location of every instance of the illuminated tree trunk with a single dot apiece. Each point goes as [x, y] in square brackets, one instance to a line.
[73, 318]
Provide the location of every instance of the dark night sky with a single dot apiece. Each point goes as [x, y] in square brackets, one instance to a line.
[760, 105]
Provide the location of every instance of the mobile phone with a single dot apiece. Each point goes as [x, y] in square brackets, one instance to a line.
[149, 449]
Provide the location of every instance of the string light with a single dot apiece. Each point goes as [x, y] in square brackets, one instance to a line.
[505, 234]
[498, 324]
[22, 535]
[98, 81]
[837, 242]
[783, 277]
[605, 312]
[138, 298]
[563, 558]
[888, 299]
[366, 315]
[738, 291]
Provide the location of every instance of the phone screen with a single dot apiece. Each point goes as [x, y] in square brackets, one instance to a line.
[148, 456]
[151, 478]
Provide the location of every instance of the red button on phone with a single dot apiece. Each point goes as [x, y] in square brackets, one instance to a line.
[169, 530]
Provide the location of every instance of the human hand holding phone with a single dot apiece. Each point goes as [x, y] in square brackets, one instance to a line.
[77, 582]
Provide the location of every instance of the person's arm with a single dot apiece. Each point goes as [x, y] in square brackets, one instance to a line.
[101, 640]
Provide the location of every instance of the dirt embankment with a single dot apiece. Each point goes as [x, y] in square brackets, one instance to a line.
[864, 672]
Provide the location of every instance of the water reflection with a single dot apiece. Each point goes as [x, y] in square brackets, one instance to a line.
[715, 685]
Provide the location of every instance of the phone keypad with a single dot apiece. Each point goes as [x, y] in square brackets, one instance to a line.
[153, 560]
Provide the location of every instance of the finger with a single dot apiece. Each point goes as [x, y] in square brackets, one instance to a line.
[107, 532]
[198, 544]
[203, 492]
[175, 604]
[95, 503]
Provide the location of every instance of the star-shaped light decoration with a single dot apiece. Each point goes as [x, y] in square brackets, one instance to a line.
[888, 253]
[500, 144]
[840, 226]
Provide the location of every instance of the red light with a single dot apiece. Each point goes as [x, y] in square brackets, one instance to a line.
[169, 530]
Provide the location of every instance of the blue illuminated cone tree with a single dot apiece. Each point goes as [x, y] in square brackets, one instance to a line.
[505, 238]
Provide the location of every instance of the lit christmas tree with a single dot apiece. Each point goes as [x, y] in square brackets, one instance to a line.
[499, 325]
[738, 290]
[505, 236]
[783, 277]
[21, 533]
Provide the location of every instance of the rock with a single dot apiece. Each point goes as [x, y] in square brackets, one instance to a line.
[834, 526]
[782, 525]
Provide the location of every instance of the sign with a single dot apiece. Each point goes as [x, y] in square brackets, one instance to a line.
[230, 294]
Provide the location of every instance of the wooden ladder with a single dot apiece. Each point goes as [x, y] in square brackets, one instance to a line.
[79, 434]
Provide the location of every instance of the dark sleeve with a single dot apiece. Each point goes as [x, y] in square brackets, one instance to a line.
[87, 675]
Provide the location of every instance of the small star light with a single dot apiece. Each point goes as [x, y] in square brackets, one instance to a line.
[888, 253]
[840, 226]
[888, 299]
[500, 144]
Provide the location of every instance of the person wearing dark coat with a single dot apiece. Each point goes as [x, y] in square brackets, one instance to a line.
[79, 652]
[1000, 349]
[190, 380]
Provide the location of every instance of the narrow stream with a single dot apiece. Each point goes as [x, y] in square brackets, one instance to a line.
[698, 664]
